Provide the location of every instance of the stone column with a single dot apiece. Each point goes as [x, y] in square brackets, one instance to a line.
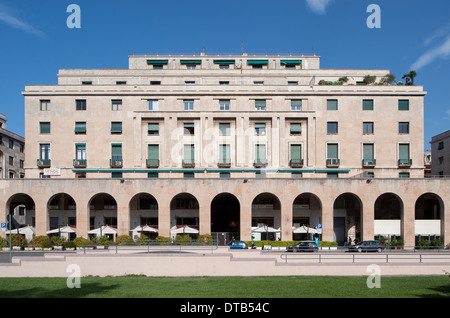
[246, 221]
[286, 222]
[82, 219]
[368, 219]
[164, 218]
[41, 218]
[204, 214]
[408, 223]
[327, 221]
[123, 219]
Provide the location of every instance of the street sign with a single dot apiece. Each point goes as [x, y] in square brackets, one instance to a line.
[319, 228]
[4, 227]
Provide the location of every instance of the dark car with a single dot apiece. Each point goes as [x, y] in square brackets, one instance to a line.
[367, 246]
[238, 245]
[303, 247]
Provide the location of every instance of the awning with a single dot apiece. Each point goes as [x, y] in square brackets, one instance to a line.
[157, 61]
[191, 61]
[257, 62]
[291, 62]
[224, 61]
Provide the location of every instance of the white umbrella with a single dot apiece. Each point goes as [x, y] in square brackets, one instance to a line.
[265, 229]
[104, 230]
[28, 231]
[183, 230]
[145, 228]
[304, 229]
[64, 229]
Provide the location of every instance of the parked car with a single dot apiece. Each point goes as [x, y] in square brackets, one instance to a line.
[305, 246]
[238, 245]
[367, 246]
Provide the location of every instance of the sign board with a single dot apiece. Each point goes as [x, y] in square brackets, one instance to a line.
[52, 172]
[4, 227]
[319, 228]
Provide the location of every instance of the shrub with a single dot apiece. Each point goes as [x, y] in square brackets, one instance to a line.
[69, 244]
[123, 240]
[163, 240]
[38, 241]
[202, 237]
[46, 244]
[58, 240]
[80, 241]
[17, 240]
[183, 239]
[3, 242]
[397, 242]
[103, 240]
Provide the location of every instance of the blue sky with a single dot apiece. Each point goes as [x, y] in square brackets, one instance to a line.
[35, 41]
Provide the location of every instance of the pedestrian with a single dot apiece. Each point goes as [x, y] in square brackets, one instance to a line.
[349, 241]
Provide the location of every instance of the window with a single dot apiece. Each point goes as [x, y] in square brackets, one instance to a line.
[80, 152]
[152, 175]
[189, 129]
[332, 128]
[297, 175]
[332, 104]
[21, 164]
[116, 104]
[45, 105]
[153, 128]
[441, 160]
[368, 128]
[155, 82]
[296, 155]
[292, 82]
[116, 127]
[403, 104]
[224, 129]
[403, 127]
[403, 154]
[80, 104]
[224, 82]
[367, 104]
[224, 104]
[332, 151]
[11, 143]
[296, 129]
[260, 129]
[368, 154]
[296, 104]
[403, 175]
[21, 147]
[153, 105]
[188, 175]
[260, 154]
[332, 175]
[189, 155]
[11, 161]
[121, 82]
[441, 145]
[258, 82]
[153, 156]
[45, 152]
[80, 128]
[116, 175]
[224, 175]
[44, 127]
[116, 152]
[260, 104]
[86, 83]
[224, 154]
[189, 82]
[188, 104]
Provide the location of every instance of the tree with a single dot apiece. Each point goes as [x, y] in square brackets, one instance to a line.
[369, 79]
[388, 79]
[409, 77]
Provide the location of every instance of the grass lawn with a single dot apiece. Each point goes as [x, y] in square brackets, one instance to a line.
[227, 287]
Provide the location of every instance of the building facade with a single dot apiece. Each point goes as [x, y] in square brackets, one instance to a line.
[440, 152]
[226, 144]
[12, 156]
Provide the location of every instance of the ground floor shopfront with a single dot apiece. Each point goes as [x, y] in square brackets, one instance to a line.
[355, 208]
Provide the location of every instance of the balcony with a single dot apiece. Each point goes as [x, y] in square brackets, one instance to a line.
[152, 163]
[260, 163]
[43, 163]
[333, 163]
[116, 163]
[188, 163]
[79, 163]
[296, 163]
[369, 163]
[402, 163]
[224, 163]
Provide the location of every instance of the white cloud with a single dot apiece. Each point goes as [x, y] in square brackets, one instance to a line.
[14, 22]
[438, 52]
[318, 6]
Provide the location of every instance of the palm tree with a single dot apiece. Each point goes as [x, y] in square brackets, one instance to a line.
[409, 77]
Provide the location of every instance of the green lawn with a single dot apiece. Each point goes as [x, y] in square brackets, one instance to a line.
[227, 287]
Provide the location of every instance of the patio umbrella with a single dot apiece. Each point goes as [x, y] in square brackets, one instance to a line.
[304, 229]
[183, 230]
[28, 231]
[64, 229]
[104, 230]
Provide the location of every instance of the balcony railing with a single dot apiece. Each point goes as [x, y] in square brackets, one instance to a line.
[333, 162]
[404, 162]
[188, 163]
[43, 163]
[152, 163]
[79, 163]
[116, 163]
[296, 163]
[224, 163]
[258, 163]
[368, 163]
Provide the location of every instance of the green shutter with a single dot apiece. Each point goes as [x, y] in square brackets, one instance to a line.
[224, 62]
[191, 62]
[153, 152]
[153, 127]
[189, 153]
[257, 62]
[157, 61]
[296, 128]
[116, 127]
[296, 152]
[116, 150]
[332, 151]
[296, 104]
[403, 105]
[45, 128]
[80, 128]
[332, 104]
[368, 104]
[291, 62]
[224, 154]
[260, 153]
[368, 151]
[224, 129]
[403, 151]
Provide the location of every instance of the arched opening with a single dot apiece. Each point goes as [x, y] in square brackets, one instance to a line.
[388, 218]
[429, 210]
[184, 215]
[143, 216]
[21, 209]
[103, 216]
[266, 217]
[347, 211]
[62, 216]
[306, 216]
[225, 216]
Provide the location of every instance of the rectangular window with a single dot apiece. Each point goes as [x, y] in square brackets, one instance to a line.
[332, 104]
[332, 175]
[153, 155]
[332, 128]
[116, 127]
[116, 152]
[296, 129]
[260, 129]
[403, 104]
[224, 175]
[80, 104]
[296, 104]
[189, 129]
[403, 175]
[441, 160]
[121, 82]
[86, 83]
[11, 143]
[44, 127]
[152, 175]
[116, 104]
[80, 127]
[367, 104]
[403, 154]
[153, 128]
[80, 152]
[224, 104]
[403, 127]
[188, 175]
[45, 152]
[332, 151]
[153, 105]
[260, 104]
[45, 105]
[441, 145]
[296, 154]
[224, 129]
[11, 161]
[260, 154]
[189, 155]
[368, 154]
[116, 175]
[368, 128]
[188, 104]
[224, 154]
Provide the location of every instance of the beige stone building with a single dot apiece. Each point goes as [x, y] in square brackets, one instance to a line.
[440, 152]
[226, 144]
[12, 156]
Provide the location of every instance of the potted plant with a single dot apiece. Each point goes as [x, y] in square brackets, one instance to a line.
[39, 241]
[69, 246]
[58, 242]
[102, 242]
[17, 242]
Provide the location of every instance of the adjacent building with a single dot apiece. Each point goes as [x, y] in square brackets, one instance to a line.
[440, 152]
[226, 144]
[12, 156]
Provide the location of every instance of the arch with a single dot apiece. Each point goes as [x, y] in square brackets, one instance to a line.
[225, 217]
[429, 214]
[102, 209]
[306, 211]
[347, 216]
[184, 211]
[388, 216]
[61, 211]
[266, 211]
[143, 209]
[22, 208]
